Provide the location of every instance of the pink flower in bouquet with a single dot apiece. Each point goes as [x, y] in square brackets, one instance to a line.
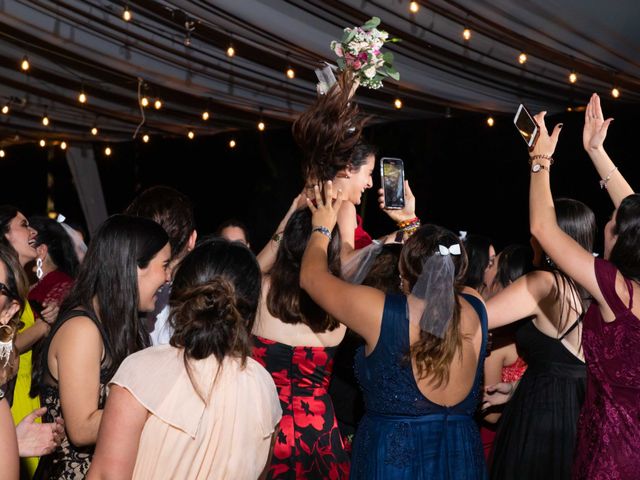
[362, 56]
[338, 50]
[356, 64]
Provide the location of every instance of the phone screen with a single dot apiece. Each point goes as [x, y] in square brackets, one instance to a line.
[526, 125]
[392, 173]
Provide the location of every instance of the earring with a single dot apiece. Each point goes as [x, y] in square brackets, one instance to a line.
[6, 347]
[39, 272]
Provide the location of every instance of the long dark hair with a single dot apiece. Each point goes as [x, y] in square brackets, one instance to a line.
[514, 262]
[433, 355]
[58, 242]
[329, 133]
[286, 300]
[477, 247]
[214, 299]
[7, 213]
[625, 254]
[17, 283]
[579, 222]
[107, 285]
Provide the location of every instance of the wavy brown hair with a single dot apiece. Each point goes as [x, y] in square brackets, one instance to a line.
[433, 355]
[214, 299]
[17, 285]
[286, 300]
[329, 133]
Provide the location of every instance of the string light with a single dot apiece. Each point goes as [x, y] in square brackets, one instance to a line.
[144, 101]
[615, 93]
[24, 65]
[191, 134]
[569, 109]
[126, 14]
[261, 126]
[157, 104]
[231, 51]
[490, 121]
[466, 34]
[522, 59]
[94, 131]
[107, 151]
[414, 7]
[397, 103]
[63, 145]
[573, 78]
[5, 109]
[232, 143]
[45, 120]
[205, 115]
[82, 98]
[2, 153]
[43, 143]
[291, 74]
[145, 138]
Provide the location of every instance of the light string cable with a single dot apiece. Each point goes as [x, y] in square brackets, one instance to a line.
[144, 118]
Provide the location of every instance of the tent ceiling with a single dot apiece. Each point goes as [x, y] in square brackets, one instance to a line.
[176, 51]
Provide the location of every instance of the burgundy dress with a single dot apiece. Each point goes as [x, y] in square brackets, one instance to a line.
[309, 445]
[609, 426]
[362, 238]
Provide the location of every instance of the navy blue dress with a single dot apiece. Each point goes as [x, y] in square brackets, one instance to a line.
[403, 435]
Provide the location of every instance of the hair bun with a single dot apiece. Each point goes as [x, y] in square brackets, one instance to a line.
[215, 300]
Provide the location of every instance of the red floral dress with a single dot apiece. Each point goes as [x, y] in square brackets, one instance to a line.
[309, 444]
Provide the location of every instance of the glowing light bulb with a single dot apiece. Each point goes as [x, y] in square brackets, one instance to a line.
[126, 14]
[191, 135]
[291, 74]
[43, 143]
[615, 93]
[569, 109]
[205, 115]
[397, 103]
[466, 34]
[490, 121]
[63, 145]
[261, 126]
[107, 151]
[94, 131]
[144, 101]
[573, 78]
[232, 143]
[45, 121]
[2, 153]
[82, 98]
[522, 58]
[414, 7]
[231, 51]
[24, 65]
[145, 138]
[5, 109]
[157, 104]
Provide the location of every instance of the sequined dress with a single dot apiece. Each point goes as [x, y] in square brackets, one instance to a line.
[403, 435]
[609, 426]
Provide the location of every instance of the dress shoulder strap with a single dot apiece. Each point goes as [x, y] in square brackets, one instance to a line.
[481, 310]
[394, 330]
[606, 273]
[572, 327]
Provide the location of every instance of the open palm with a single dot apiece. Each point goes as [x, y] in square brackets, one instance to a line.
[595, 126]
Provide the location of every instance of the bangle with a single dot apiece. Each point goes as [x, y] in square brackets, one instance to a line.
[407, 223]
[323, 230]
[604, 181]
[277, 237]
[541, 157]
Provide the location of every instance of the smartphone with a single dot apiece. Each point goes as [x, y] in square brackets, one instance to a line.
[392, 179]
[526, 125]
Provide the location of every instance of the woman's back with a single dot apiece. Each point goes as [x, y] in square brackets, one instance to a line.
[405, 433]
[187, 438]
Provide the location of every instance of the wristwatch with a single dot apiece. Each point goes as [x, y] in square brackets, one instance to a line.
[536, 167]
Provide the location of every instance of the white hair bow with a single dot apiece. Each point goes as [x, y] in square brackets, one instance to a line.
[452, 250]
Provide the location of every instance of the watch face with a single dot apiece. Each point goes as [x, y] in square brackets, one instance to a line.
[536, 167]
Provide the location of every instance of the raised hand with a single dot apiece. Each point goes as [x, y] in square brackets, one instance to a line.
[325, 211]
[409, 210]
[546, 144]
[595, 126]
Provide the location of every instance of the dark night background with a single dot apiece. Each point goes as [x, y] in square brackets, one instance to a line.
[465, 175]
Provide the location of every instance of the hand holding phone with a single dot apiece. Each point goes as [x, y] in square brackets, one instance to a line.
[527, 126]
[392, 179]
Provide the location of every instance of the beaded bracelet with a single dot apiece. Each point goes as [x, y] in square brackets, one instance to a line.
[540, 157]
[408, 223]
[277, 237]
[323, 230]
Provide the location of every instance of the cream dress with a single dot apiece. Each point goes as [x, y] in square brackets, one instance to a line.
[184, 438]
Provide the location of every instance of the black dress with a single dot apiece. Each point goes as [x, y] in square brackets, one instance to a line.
[537, 432]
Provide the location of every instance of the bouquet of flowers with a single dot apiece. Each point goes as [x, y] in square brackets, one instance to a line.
[359, 51]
